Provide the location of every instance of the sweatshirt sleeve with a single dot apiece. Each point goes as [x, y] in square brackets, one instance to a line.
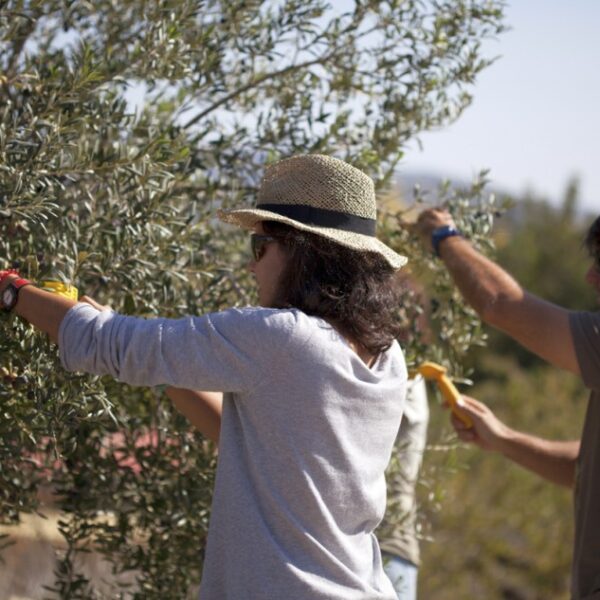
[585, 328]
[217, 351]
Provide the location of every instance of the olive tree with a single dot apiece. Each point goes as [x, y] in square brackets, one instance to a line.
[123, 126]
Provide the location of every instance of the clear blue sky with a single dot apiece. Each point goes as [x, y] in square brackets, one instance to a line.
[535, 120]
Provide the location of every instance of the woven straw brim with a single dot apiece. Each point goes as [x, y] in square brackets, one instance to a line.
[247, 218]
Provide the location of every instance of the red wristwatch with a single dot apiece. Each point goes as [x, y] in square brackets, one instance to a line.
[10, 294]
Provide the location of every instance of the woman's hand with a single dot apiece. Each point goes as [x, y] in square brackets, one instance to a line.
[94, 304]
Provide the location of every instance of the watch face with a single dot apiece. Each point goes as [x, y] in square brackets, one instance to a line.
[9, 296]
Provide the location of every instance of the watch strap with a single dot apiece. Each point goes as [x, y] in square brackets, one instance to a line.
[15, 285]
[440, 234]
[20, 282]
[5, 273]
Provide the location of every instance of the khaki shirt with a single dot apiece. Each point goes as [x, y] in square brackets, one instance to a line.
[402, 539]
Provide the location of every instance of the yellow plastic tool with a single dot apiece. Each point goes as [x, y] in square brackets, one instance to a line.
[437, 373]
[60, 288]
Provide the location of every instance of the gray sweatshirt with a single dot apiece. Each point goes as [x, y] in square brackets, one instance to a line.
[306, 434]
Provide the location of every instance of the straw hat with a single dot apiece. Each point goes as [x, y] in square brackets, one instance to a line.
[320, 194]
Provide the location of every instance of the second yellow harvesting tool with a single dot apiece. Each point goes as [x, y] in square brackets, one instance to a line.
[62, 289]
[437, 373]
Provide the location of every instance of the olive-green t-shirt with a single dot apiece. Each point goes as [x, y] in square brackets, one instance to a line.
[585, 328]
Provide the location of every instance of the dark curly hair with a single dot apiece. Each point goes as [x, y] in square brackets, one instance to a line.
[592, 241]
[358, 292]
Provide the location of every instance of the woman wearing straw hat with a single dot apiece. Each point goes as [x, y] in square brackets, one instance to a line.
[311, 378]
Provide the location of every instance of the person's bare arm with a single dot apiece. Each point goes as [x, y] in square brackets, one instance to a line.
[540, 326]
[551, 459]
[202, 409]
[44, 310]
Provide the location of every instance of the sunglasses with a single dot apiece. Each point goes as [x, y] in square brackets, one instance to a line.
[258, 243]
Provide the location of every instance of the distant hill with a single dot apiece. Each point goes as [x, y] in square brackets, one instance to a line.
[429, 182]
[405, 182]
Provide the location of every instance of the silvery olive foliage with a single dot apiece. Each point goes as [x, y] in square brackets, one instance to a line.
[123, 127]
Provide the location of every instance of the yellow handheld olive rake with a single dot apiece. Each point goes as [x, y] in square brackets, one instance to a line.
[62, 289]
[437, 373]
